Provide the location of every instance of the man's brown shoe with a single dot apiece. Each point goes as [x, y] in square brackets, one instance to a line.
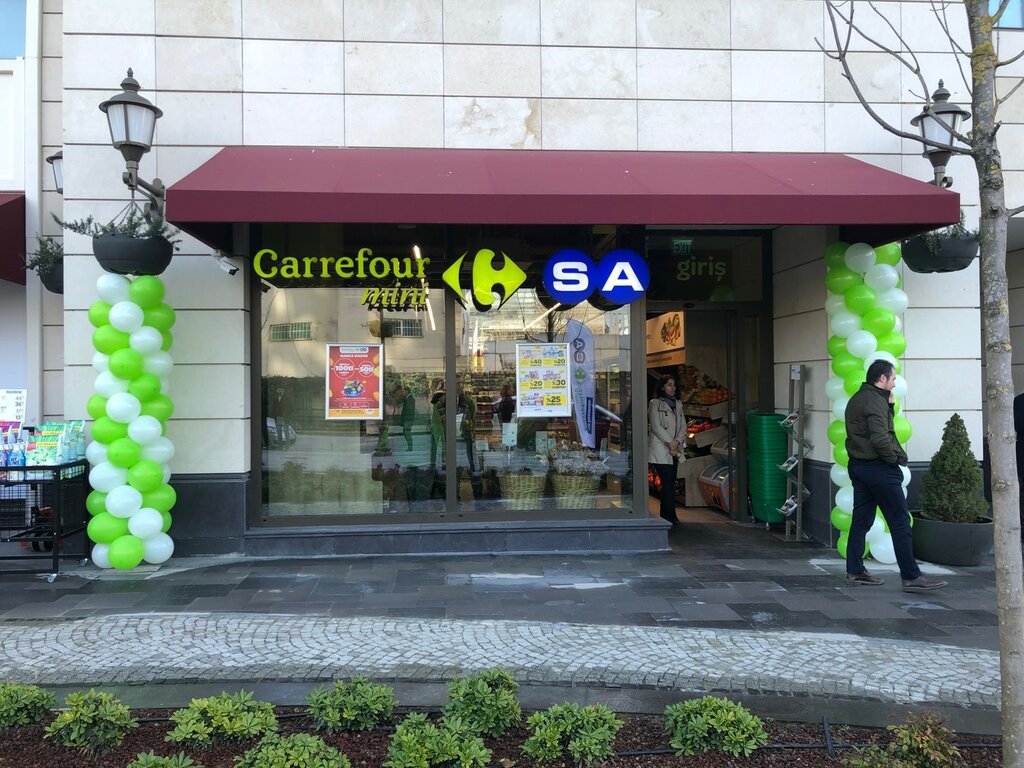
[921, 584]
[864, 578]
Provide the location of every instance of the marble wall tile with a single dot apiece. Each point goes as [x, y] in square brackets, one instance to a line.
[394, 121]
[199, 18]
[877, 74]
[492, 123]
[297, 67]
[394, 68]
[778, 25]
[506, 22]
[588, 22]
[101, 61]
[598, 73]
[683, 23]
[685, 126]
[109, 17]
[778, 127]
[672, 74]
[849, 128]
[299, 119]
[413, 21]
[319, 20]
[491, 70]
[198, 64]
[589, 124]
[777, 76]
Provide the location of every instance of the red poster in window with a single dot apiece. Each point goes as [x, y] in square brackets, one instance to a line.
[355, 381]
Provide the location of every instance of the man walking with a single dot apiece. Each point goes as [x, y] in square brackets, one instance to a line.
[408, 416]
[875, 460]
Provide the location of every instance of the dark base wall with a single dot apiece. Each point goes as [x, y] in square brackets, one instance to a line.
[818, 508]
[209, 519]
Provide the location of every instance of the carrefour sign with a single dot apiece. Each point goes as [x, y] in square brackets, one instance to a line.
[621, 277]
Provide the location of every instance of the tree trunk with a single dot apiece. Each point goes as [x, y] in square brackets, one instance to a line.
[999, 384]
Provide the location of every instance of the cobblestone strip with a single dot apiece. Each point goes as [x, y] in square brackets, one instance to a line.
[157, 647]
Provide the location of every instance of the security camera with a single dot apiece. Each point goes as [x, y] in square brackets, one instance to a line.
[228, 265]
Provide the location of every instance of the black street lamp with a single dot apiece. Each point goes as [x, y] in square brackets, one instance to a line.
[57, 161]
[938, 122]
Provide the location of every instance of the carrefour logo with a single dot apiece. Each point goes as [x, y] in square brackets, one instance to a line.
[621, 277]
[486, 279]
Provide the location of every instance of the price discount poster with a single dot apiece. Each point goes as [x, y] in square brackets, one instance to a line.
[542, 376]
[355, 381]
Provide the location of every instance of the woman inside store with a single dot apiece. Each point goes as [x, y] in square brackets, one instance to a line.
[666, 433]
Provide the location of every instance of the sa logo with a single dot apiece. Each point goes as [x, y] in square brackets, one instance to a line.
[570, 276]
[486, 279]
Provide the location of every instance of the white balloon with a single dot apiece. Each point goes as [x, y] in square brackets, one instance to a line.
[126, 316]
[158, 363]
[876, 531]
[160, 450]
[883, 551]
[146, 523]
[834, 388]
[123, 407]
[145, 430]
[844, 323]
[861, 343]
[839, 407]
[96, 453]
[844, 498]
[881, 277]
[100, 556]
[906, 492]
[107, 384]
[894, 299]
[167, 472]
[106, 477]
[101, 362]
[879, 355]
[899, 390]
[157, 549]
[123, 501]
[906, 476]
[145, 340]
[898, 327]
[834, 303]
[860, 257]
[112, 288]
[839, 476]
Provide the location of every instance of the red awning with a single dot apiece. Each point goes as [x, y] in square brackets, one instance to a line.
[471, 186]
[12, 237]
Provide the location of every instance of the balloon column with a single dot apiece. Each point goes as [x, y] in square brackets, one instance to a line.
[864, 305]
[129, 456]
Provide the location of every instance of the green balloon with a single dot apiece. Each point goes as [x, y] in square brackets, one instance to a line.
[899, 282]
[836, 344]
[894, 343]
[145, 387]
[145, 476]
[160, 317]
[124, 452]
[841, 520]
[125, 552]
[146, 291]
[896, 408]
[107, 339]
[167, 522]
[852, 382]
[840, 279]
[168, 341]
[160, 407]
[99, 314]
[840, 455]
[844, 364]
[837, 432]
[105, 430]
[96, 407]
[879, 321]
[96, 502]
[903, 429]
[835, 254]
[844, 538]
[162, 498]
[104, 528]
[126, 364]
[888, 254]
[859, 299]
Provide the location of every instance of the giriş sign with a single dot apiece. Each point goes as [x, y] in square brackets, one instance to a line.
[621, 277]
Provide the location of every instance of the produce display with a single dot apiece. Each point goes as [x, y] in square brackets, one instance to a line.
[698, 388]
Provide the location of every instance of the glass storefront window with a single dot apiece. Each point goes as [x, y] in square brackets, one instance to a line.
[703, 267]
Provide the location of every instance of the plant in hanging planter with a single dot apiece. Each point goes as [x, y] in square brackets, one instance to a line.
[130, 244]
[948, 249]
[47, 261]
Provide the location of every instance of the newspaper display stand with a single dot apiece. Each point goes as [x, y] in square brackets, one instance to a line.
[43, 514]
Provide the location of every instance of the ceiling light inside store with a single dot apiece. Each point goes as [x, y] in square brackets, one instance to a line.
[538, 318]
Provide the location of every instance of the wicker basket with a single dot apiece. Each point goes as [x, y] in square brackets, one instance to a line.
[522, 491]
[576, 491]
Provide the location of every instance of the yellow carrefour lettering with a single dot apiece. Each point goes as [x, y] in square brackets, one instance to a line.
[379, 266]
[257, 263]
[308, 261]
[290, 267]
[343, 266]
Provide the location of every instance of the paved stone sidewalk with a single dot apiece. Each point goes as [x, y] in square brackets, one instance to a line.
[244, 647]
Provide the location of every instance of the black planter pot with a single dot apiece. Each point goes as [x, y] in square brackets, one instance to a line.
[127, 255]
[955, 253]
[952, 543]
[53, 278]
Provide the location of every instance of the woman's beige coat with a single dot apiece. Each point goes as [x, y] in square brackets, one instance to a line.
[663, 426]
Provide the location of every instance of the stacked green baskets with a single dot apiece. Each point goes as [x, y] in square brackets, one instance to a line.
[766, 448]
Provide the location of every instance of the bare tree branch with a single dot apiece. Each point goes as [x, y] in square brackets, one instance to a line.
[954, 46]
[1015, 211]
[1010, 93]
[999, 12]
[1009, 61]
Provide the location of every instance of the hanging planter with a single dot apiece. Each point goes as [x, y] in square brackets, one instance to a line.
[130, 244]
[48, 262]
[53, 278]
[927, 253]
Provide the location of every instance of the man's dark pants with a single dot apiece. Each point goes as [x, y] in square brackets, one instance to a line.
[877, 484]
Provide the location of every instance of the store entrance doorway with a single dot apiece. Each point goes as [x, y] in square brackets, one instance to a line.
[713, 356]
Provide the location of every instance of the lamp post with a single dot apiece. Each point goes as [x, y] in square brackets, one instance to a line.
[938, 122]
[132, 120]
[57, 162]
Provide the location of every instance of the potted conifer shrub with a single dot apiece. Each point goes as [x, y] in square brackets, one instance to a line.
[949, 249]
[131, 244]
[953, 526]
[47, 261]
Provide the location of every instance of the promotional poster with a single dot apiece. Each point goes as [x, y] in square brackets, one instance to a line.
[542, 374]
[355, 381]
